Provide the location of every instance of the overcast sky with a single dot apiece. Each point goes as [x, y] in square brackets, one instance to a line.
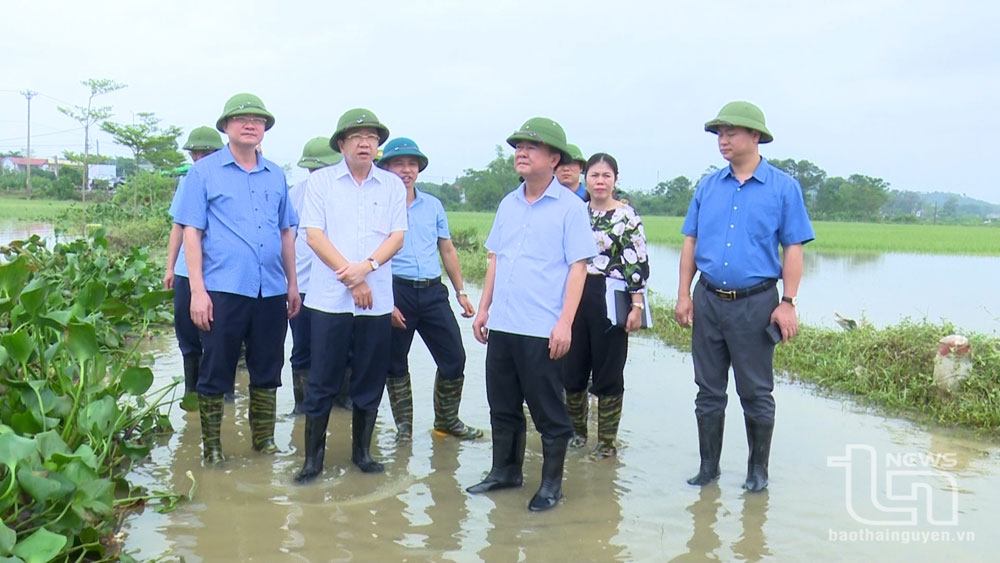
[906, 91]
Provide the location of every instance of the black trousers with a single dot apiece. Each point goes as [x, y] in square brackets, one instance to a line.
[188, 337]
[301, 327]
[259, 322]
[598, 346]
[518, 370]
[427, 312]
[731, 333]
[339, 338]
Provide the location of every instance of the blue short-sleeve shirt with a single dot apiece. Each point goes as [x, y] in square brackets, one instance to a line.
[180, 265]
[427, 222]
[241, 215]
[535, 244]
[738, 227]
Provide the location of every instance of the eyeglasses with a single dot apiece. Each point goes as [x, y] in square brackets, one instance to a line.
[251, 119]
[358, 137]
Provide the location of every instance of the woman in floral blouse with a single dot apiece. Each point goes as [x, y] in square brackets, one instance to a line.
[598, 346]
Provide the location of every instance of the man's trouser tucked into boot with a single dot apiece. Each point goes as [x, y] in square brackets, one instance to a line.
[263, 404]
[401, 403]
[190, 400]
[553, 459]
[508, 460]
[210, 408]
[759, 441]
[362, 426]
[577, 405]
[299, 378]
[710, 429]
[609, 415]
[315, 445]
[447, 398]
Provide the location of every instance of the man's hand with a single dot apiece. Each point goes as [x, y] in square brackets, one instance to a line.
[398, 320]
[362, 295]
[684, 311]
[634, 320]
[168, 279]
[355, 273]
[201, 310]
[479, 329]
[559, 339]
[788, 321]
[294, 301]
[467, 309]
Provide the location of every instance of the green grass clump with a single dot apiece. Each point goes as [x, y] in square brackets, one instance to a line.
[12, 207]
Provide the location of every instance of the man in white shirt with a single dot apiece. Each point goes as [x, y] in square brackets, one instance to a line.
[355, 216]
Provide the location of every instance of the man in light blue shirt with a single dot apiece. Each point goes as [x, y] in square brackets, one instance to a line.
[239, 238]
[421, 301]
[538, 249]
[202, 141]
[736, 221]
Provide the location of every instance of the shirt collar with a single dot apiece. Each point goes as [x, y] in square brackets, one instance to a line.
[761, 173]
[341, 169]
[228, 158]
[554, 189]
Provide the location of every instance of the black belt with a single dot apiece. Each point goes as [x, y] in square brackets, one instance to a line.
[734, 294]
[417, 284]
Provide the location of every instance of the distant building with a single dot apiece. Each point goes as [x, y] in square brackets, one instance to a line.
[20, 164]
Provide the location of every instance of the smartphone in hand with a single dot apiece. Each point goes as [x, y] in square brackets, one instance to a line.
[774, 333]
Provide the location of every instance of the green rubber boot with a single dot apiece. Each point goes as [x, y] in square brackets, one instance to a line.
[261, 414]
[577, 404]
[210, 409]
[609, 414]
[299, 378]
[189, 402]
[401, 403]
[447, 398]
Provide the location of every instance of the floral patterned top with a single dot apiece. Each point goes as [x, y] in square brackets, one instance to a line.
[621, 246]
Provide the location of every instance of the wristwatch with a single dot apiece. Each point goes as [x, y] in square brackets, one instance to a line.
[790, 300]
[374, 263]
[460, 294]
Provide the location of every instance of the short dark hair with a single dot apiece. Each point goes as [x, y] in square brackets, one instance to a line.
[602, 157]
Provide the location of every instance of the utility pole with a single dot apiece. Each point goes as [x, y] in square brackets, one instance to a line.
[28, 94]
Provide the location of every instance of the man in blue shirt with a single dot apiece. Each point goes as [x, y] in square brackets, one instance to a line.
[239, 237]
[737, 219]
[568, 173]
[421, 301]
[538, 250]
[202, 141]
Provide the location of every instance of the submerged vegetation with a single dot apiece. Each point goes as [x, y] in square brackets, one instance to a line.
[76, 409]
[889, 368]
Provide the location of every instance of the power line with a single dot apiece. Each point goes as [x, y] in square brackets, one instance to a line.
[43, 134]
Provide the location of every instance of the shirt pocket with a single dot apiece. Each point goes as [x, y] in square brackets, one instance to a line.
[378, 217]
[272, 204]
[764, 220]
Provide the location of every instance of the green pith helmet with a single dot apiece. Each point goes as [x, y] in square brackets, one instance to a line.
[576, 154]
[244, 104]
[355, 118]
[203, 139]
[741, 114]
[401, 146]
[318, 154]
[542, 130]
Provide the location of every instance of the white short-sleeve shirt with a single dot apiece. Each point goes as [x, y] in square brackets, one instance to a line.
[357, 218]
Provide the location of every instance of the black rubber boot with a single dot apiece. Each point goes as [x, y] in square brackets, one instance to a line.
[362, 427]
[315, 446]
[759, 441]
[342, 400]
[299, 378]
[190, 400]
[710, 429]
[508, 460]
[553, 460]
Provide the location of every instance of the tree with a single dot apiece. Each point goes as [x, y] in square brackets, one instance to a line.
[677, 195]
[88, 116]
[147, 139]
[485, 188]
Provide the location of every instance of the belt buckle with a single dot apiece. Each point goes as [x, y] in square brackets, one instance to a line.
[420, 284]
[728, 295]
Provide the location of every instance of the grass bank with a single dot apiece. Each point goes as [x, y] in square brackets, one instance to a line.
[16, 207]
[889, 368]
[831, 236]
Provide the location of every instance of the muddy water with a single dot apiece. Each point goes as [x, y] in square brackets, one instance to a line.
[883, 288]
[633, 508]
